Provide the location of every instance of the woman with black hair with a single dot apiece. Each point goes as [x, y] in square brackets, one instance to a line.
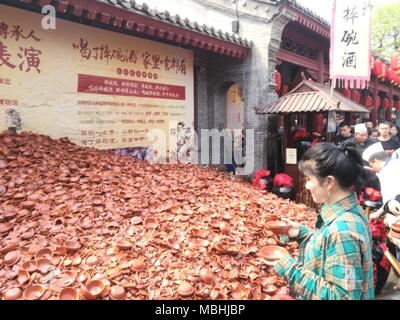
[335, 260]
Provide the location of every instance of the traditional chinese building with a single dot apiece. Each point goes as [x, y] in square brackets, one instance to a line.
[113, 70]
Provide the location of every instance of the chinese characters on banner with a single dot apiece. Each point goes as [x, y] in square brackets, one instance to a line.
[350, 44]
[98, 88]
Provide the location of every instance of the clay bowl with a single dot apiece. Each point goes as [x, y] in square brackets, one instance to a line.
[92, 261]
[30, 266]
[97, 200]
[272, 253]
[395, 234]
[12, 258]
[173, 244]
[23, 277]
[34, 292]
[28, 205]
[395, 227]
[278, 227]
[186, 290]
[118, 293]
[95, 288]
[3, 190]
[151, 223]
[207, 275]
[68, 293]
[123, 244]
[12, 294]
[67, 279]
[9, 247]
[72, 246]
[45, 253]
[9, 213]
[28, 234]
[136, 220]
[43, 265]
[137, 265]
[6, 227]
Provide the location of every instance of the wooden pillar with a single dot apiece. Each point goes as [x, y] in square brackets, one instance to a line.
[391, 103]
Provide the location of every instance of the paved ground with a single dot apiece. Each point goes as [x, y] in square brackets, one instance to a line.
[388, 292]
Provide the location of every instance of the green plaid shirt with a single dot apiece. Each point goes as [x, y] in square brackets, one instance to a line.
[334, 261]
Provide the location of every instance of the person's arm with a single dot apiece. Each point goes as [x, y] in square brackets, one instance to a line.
[343, 272]
[393, 205]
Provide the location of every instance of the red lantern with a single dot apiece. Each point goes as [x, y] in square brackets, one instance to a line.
[347, 93]
[397, 105]
[378, 101]
[377, 68]
[368, 102]
[395, 62]
[391, 75]
[384, 72]
[385, 103]
[356, 96]
[285, 89]
[278, 82]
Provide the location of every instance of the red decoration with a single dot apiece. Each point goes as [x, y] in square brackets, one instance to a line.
[384, 72]
[395, 62]
[283, 180]
[347, 93]
[278, 82]
[356, 96]
[285, 89]
[368, 102]
[385, 103]
[377, 68]
[391, 75]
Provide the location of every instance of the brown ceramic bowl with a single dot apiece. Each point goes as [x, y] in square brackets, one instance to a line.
[34, 292]
[97, 200]
[43, 265]
[173, 244]
[118, 293]
[207, 275]
[28, 204]
[68, 293]
[72, 246]
[92, 261]
[395, 234]
[151, 223]
[186, 290]
[5, 227]
[67, 279]
[278, 227]
[272, 253]
[137, 265]
[23, 277]
[12, 258]
[9, 213]
[123, 244]
[136, 220]
[45, 253]
[395, 227]
[30, 266]
[96, 287]
[12, 294]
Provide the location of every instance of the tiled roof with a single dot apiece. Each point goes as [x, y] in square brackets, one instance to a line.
[177, 20]
[309, 12]
[311, 97]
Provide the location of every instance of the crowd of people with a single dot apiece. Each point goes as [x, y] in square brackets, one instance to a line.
[335, 260]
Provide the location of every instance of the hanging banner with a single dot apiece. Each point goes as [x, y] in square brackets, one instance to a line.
[350, 44]
[99, 88]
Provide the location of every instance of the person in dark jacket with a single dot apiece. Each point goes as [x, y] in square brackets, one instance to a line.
[344, 134]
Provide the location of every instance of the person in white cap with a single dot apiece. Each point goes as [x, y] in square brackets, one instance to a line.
[361, 137]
